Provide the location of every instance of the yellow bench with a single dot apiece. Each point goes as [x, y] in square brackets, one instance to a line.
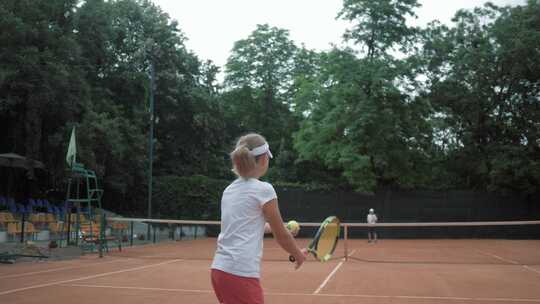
[6, 217]
[15, 228]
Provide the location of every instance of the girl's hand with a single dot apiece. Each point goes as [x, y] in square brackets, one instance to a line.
[300, 258]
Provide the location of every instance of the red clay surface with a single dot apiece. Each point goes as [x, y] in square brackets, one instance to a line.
[391, 271]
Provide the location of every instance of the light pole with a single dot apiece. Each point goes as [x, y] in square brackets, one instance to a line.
[151, 143]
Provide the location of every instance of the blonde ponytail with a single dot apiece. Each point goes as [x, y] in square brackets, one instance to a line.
[244, 163]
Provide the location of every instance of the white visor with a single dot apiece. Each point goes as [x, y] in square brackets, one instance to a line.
[260, 150]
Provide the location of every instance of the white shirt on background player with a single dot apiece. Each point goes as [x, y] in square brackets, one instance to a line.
[372, 218]
[240, 243]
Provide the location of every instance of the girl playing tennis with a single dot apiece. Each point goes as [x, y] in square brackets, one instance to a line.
[247, 205]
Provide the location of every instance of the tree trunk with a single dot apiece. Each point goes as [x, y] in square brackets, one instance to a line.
[33, 128]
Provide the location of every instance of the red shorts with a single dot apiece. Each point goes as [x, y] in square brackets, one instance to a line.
[233, 289]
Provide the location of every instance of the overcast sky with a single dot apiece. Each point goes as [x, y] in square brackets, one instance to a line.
[212, 26]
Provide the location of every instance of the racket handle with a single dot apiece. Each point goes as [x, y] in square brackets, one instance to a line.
[292, 259]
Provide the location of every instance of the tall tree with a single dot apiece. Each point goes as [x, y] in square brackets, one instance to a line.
[122, 41]
[484, 83]
[364, 119]
[261, 66]
[379, 25]
[41, 84]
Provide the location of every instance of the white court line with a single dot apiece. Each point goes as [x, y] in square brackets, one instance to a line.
[327, 295]
[85, 278]
[58, 269]
[498, 257]
[510, 261]
[331, 275]
[531, 269]
[120, 258]
[139, 288]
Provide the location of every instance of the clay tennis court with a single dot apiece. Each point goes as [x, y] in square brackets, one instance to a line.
[391, 271]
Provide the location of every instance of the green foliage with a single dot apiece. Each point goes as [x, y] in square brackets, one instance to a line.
[259, 80]
[88, 65]
[442, 107]
[258, 76]
[262, 61]
[379, 25]
[193, 197]
[484, 84]
[41, 86]
[364, 119]
[305, 186]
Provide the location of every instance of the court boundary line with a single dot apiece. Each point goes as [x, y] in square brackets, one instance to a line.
[10, 291]
[140, 288]
[498, 257]
[10, 276]
[206, 291]
[338, 266]
[531, 268]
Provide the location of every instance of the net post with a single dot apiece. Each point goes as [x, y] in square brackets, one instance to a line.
[68, 221]
[77, 221]
[101, 239]
[345, 238]
[23, 228]
[131, 233]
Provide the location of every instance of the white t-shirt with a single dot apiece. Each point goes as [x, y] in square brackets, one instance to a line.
[372, 218]
[240, 243]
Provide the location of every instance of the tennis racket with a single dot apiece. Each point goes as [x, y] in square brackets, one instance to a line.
[325, 241]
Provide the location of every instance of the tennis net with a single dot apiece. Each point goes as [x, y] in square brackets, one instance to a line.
[498, 242]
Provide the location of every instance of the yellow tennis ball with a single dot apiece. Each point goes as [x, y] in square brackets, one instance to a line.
[293, 227]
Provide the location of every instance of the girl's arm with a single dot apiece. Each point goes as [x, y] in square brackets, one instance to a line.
[281, 234]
